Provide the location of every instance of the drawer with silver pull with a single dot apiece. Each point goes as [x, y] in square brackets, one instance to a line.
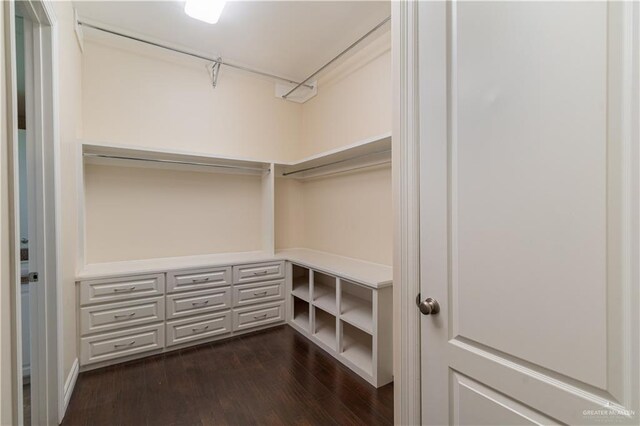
[257, 316]
[198, 279]
[258, 272]
[248, 294]
[197, 302]
[107, 346]
[121, 288]
[197, 328]
[112, 316]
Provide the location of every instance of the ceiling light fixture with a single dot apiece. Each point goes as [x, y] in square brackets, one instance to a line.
[208, 11]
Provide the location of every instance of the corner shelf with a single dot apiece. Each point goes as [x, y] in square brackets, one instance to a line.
[367, 153]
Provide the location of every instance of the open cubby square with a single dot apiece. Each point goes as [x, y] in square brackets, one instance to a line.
[300, 313]
[324, 292]
[324, 328]
[300, 282]
[357, 306]
[357, 347]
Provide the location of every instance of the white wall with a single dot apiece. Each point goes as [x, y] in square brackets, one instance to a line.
[140, 213]
[70, 128]
[139, 95]
[143, 96]
[289, 213]
[353, 102]
[348, 214]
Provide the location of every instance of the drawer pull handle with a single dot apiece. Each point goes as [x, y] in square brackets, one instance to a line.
[196, 330]
[261, 273]
[260, 293]
[200, 280]
[124, 344]
[200, 303]
[260, 316]
[125, 315]
[123, 290]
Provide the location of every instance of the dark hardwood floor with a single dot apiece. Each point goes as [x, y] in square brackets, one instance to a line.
[267, 378]
[26, 404]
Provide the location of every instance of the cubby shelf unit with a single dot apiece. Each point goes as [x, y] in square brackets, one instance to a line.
[347, 317]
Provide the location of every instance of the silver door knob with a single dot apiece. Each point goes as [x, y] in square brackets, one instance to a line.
[428, 306]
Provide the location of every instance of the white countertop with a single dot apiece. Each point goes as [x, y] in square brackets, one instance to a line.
[368, 273]
[130, 267]
[371, 274]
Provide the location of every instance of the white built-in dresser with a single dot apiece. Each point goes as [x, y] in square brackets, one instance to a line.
[134, 309]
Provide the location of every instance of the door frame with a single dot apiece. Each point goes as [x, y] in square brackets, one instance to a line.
[406, 193]
[406, 189]
[42, 105]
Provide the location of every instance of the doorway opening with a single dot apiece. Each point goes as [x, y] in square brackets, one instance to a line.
[32, 169]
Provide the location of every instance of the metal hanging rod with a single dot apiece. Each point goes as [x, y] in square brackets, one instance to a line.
[353, 169]
[337, 162]
[322, 68]
[195, 55]
[190, 163]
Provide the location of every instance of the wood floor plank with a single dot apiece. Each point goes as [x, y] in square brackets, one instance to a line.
[272, 377]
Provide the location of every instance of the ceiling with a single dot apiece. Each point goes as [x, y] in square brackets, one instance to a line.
[288, 38]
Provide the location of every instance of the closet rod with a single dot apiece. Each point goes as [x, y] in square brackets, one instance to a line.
[195, 55]
[336, 162]
[354, 44]
[190, 163]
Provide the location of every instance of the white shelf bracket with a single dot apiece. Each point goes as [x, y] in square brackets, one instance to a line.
[302, 95]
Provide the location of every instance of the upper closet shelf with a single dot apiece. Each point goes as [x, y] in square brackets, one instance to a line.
[142, 157]
[370, 152]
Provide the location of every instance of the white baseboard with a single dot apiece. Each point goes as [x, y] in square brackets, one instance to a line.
[69, 385]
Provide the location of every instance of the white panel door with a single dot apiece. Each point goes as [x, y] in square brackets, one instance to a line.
[529, 212]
